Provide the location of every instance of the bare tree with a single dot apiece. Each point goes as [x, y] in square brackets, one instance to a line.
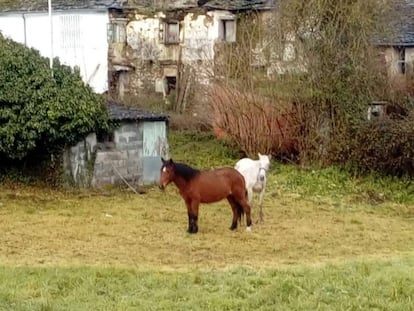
[317, 56]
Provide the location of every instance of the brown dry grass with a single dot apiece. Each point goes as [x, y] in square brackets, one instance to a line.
[45, 227]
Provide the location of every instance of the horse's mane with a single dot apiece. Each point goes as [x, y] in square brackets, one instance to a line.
[185, 171]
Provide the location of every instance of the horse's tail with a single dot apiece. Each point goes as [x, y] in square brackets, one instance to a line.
[240, 211]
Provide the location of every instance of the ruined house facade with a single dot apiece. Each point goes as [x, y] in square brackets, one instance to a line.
[153, 45]
[396, 43]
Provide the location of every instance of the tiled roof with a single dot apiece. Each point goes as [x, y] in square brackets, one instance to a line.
[399, 25]
[59, 5]
[118, 112]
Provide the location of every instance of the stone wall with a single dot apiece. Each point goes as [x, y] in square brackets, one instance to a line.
[78, 161]
[124, 162]
[144, 59]
[92, 163]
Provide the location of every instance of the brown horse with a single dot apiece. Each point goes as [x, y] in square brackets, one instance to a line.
[207, 187]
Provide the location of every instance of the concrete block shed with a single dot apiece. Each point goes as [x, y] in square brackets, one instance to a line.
[130, 153]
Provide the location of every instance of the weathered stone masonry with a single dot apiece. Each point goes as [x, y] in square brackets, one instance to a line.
[131, 153]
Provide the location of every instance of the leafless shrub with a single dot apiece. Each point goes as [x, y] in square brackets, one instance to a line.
[253, 123]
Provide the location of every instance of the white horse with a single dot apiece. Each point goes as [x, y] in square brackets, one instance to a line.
[254, 173]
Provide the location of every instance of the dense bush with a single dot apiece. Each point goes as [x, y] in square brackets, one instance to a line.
[385, 146]
[41, 111]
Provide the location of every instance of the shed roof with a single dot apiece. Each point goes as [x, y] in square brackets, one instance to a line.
[399, 25]
[59, 5]
[119, 112]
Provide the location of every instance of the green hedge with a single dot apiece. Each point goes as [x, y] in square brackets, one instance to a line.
[41, 111]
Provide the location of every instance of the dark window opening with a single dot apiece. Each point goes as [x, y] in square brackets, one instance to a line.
[171, 33]
[106, 141]
[401, 60]
[171, 84]
[116, 32]
[228, 30]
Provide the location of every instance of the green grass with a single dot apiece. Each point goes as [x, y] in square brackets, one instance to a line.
[202, 150]
[338, 184]
[330, 241]
[369, 285]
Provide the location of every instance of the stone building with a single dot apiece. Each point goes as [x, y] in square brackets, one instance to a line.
[153, 45]
[396, 43]
[130, 153]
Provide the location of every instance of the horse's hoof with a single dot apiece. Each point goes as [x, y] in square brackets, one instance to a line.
[192, 231]
[249, 228]
[233, 226]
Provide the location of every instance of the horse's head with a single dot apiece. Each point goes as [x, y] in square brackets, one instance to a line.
[167, 173]
[264, 161]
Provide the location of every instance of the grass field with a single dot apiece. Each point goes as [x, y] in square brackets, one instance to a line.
[330, 241]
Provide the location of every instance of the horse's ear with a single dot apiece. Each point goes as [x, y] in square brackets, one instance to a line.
[259, 154]
[269, 156]
[171, 161]
[162, 159]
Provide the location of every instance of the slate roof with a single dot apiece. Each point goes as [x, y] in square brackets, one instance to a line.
[399, 25]
[168, 4]
[58, 5]
[61, 5]
[236, 5]
[119, 112]
[231, 5]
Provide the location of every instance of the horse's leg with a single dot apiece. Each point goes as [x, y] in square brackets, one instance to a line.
[260, 205]
[261, 194]
[240, 198]
[195, 205]
[247, 210]
[192, 217]
[192, 208]
[190, 221]
[233, 204]
[250, 196]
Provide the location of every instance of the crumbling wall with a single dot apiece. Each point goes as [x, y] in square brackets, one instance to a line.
[148, 60]
[78, 161]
